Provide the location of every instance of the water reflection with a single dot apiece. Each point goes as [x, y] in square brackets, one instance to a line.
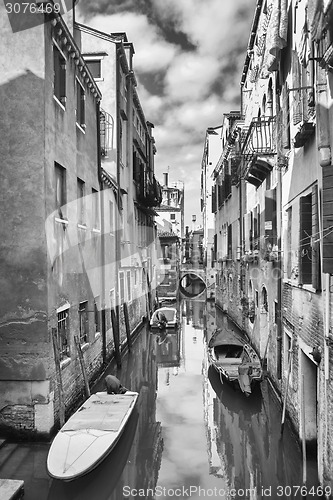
[244, 440]
[188, 430]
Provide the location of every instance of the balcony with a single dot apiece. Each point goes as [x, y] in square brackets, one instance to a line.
[259, 145]
[149, 192]
[106, 133]
[260, 138]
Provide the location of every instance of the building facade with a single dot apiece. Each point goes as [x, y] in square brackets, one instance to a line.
[79, 242]
[273, 231]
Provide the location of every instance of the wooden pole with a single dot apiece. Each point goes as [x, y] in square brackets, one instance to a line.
[83, 368]
[116, 337]
[58, 375]
[127, 325]
[286, 391]
[264, 362]
[303, 431]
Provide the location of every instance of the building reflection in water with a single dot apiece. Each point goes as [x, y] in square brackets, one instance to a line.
[136, 459]
[241, 435]
[244, 443]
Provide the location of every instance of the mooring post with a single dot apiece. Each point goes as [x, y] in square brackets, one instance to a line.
[59, 377]
[83, 368]
[115, 330]
[127, 325]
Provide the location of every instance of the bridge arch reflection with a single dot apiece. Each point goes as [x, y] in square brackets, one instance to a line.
[191, 283]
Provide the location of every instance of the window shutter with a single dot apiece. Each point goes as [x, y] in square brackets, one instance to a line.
[247, 229]
[316, 275]
[304, 251]
[285, 139]
[328, 219]
[213, 199]
[220, 195]
[296, 83]
[234, 171]
[229, 240]
[270, 219]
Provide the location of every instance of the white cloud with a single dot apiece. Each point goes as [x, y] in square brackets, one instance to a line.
[219, 30]
[191, 75]
[152, 52]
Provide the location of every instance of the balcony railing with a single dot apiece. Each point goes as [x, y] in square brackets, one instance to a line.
[260, 138]
[106, 133]
[149, 193]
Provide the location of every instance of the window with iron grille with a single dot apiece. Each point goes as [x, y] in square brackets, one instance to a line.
[83, 317]
[63, 334]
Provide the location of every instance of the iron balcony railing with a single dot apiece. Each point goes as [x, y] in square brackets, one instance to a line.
[261, 137]
[106, 133]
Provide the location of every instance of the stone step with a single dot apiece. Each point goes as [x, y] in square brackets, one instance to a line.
[11, 489]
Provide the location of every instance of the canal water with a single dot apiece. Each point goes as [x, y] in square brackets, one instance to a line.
[189, 437]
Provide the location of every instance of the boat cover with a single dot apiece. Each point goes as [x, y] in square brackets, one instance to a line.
[103, 412]
[225, 337]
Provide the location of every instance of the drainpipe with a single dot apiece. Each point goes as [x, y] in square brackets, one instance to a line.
[103, 232]
[279, 290]
[325, 159]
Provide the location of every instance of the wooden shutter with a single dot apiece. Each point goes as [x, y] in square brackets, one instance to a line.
[304, 250]
[270, 219]
[213, 199]
[296, 84]
[316, 275]
[328, 219]
[247, 231]
[230, 241]
[285, 139]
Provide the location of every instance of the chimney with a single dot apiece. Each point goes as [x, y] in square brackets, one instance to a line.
[165, 179]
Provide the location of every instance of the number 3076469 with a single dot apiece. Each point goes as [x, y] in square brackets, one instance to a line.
[31, 8]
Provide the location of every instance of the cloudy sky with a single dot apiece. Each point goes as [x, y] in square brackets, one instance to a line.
[188, 60]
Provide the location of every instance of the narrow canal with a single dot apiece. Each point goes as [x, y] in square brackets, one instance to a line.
[190, 436]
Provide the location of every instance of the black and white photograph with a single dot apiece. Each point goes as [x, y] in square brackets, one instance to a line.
[166, 249]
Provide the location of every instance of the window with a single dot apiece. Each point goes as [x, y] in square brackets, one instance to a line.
[305, 237]
[121, 287]
[60, 189]
[97, 314]
[276, 312]
[80, 201]
[230, 241]
[84, 324]
[231, 288]
[112, 298]
[287, 353]
[80, 105]
[95, 67]
[128, 277]
[95, 209]
[59, 81]
[63, 333]
[173, 217]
